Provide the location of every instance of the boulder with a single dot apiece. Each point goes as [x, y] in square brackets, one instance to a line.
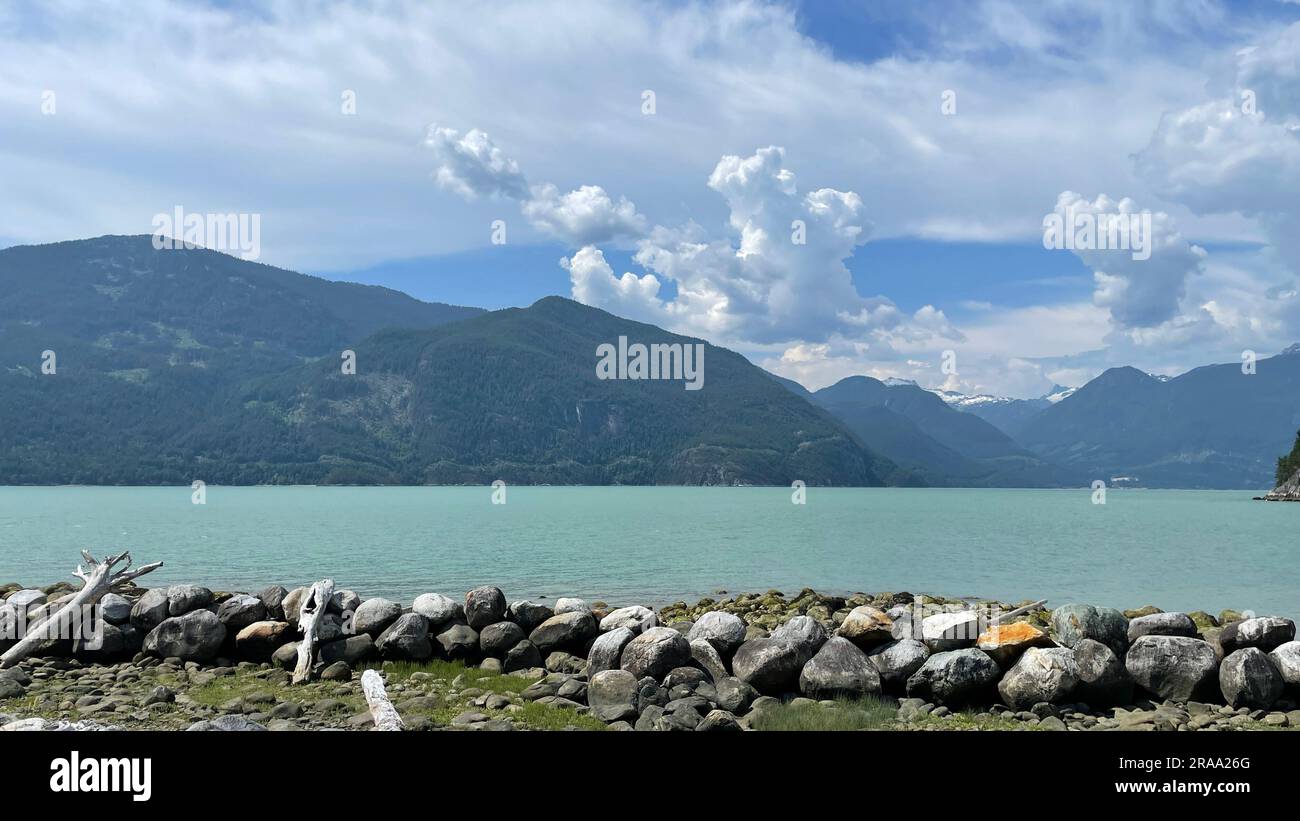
[285, 656]
[241, 610]
[1104, 681]
[897, 661]
[273, 600]
[195, 636]
[769, 665]
[523, 656]
[612, 695]
[607, 650]
[259, 640]
[571, 605]
[950, 631]
[1286, 658]
[655, 652]
[724, 631]
[867, 627]
[351, 650]
[1248, 678]
[26, 600]
[635, 618]
[839, 669]
[406, 639]
[709, 659]
[804, 633]
[376, 615]
[529, 615]
[344, 601]
[115, 609]
[149, 610]
[457, 641]
[1162, 624]
[495, 640]
[437, 608]
[955, 677]
[1041, 674]
[1173, 667]
[291, 604]
[1006, 643]
[562, 662]
[1075, 622]
[719, 721]
[1267, 633]
[564, 631]
[184, 598]
[484, 605]
[734, 695]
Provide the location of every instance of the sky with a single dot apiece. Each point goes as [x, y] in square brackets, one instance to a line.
[831, 187]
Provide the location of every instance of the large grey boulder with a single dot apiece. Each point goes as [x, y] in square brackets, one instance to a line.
[195, 636]
[291, 605]
[495, 640]
[241, 610]
[725, 631]
[955, 677]
[734, 695]
[484, 605]
[523, 656]
[564, 631]
[273, 600]
[529, 615]
[26, 600]
[867, 627]
[458, 641]
[1104, 681]
[1162, 624]
[437, 608]
[1041, 674]
[635, 618]
[607, 650]
[1173, 667]
[1286, 658]
[374, 616]
[839, 669]
[570, 604]
[115, 609]
[950, 631]
[183, 598]
[1267, 633]
[406, 639]
[1248, 678]
[351, 650]
[897, 661]
[1075, 622]
[768, 665]
[655, 652]
[804, 633]
[344, 601]
[150, 610]
[707, 657]
[612, 695]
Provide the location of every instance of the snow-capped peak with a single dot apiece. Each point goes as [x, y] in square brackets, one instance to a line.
[1058, 392]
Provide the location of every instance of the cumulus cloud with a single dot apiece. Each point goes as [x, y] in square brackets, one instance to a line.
[473, 166]
[1142, 278]
[585, 215]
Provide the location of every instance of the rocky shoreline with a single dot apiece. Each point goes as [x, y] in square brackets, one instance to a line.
[187, 658]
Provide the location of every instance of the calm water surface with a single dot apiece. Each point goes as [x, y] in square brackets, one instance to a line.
[1175, 549]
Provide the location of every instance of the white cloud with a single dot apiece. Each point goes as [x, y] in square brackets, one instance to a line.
[473, 166]
[585, 215]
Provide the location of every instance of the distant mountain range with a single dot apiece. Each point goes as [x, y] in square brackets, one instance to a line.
[174, 365]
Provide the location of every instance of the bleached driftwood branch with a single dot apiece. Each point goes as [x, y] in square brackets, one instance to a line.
[100, 579]
[313, 610]
[381, 709]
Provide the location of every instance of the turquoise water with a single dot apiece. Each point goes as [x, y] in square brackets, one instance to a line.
[1175, 549]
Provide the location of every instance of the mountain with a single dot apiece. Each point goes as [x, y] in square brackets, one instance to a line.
[1005, 413]
[1212, 427]
[174, 365]
[921, 433]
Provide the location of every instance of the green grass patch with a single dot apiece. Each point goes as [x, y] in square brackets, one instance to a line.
[448, 671]
[845, 714]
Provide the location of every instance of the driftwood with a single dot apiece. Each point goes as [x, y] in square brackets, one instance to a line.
[313, 610]
[1019, 611]
[381, 709]
[100, 579]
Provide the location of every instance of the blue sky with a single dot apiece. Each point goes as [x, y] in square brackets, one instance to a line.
[923, 220]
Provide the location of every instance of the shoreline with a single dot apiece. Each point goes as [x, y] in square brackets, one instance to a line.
[183, 657]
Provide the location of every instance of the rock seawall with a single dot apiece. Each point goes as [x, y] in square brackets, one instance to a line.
[189, 658]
